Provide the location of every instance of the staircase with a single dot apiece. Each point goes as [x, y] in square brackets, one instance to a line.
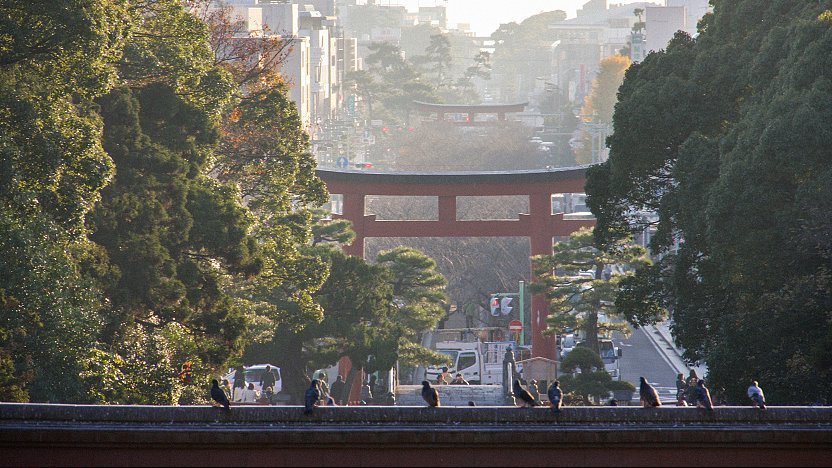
[455, 395]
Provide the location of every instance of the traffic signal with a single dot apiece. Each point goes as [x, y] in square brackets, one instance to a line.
[505, 308]
[495, 305]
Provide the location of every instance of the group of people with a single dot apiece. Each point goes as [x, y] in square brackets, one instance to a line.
[692, 392]
[444, 378]
[336, 396]
[245, 392]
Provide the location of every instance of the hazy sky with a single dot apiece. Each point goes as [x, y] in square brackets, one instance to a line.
[485, 15]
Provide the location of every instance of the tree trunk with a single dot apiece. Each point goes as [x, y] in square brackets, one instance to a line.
[591, 331]
[295, 380]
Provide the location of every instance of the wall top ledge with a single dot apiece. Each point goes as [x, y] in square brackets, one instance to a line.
[814, 416]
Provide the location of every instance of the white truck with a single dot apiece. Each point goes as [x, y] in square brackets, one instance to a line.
[480, 363]
[611, 354]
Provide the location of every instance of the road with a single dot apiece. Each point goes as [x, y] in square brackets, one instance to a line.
[641, 358]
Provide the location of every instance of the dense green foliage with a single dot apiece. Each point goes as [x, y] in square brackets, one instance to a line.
[392, 81]
[576, 300]
[374, 313]
[726, 137]
[587, 378]
[127, 249]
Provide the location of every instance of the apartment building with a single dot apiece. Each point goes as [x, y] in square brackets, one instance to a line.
[319, 53]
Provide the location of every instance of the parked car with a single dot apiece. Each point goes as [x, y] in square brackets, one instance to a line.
[253, 374]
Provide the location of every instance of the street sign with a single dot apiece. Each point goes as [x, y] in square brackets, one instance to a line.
[515, 325]
[342, 162]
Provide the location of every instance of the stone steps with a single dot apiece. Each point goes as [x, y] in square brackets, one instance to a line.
[455, 395]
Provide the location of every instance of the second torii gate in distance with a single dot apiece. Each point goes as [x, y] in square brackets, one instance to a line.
[539, 225]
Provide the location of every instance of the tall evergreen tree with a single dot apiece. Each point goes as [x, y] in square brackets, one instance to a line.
[722, 136]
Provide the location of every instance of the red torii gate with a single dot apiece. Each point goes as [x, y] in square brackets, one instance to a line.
[540, 225]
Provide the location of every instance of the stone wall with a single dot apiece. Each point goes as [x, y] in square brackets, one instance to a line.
[455, 395]
[68, 435]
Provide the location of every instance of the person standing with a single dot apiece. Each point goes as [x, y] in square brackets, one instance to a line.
[239, 383]
[366, 394]
[268, 379]
[337, 391]
[323, 387]
[509, 368]
[681, 388]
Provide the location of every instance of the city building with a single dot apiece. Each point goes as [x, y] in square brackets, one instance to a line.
[695, 10]
[662, 25]
[579, 44]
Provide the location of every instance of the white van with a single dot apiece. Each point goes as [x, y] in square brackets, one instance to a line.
[253, 374]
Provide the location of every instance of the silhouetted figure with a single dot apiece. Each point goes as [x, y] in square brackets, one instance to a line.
[756, 395]
[703, 396]
[323, 387]
[219, 396]
[366, 394]
[510, 363]
[337, 390]
[313, 394]
[268, 378]
[690, 391]
[239, 383]
[555, 395]
[681, 388]
[471, 403]
[523, 394]
[649, 396]
[429, 394]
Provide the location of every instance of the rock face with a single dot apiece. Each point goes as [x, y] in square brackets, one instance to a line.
[455, 395]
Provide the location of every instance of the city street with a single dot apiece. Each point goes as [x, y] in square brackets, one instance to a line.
[650, 353]
[641, 358]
